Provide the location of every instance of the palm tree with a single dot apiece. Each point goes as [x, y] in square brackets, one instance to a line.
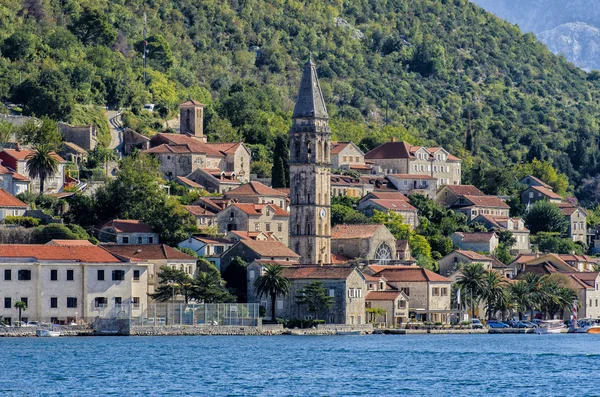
[20, 306]
[42, 163]
[272, 283]
[519, 295]
[492, 292]
[534, 291]
[471, 281]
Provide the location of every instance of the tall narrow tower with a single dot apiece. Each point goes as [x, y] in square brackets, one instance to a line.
[310, 136]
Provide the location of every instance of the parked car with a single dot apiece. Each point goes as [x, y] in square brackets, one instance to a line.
[476, 323]
[496, 324]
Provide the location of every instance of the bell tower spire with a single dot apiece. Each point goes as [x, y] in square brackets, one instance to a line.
[310, 137]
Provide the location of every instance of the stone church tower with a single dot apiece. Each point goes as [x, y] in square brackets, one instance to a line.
[310, 136]
[191, 119]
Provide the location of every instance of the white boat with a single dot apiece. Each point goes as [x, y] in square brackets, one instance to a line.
[348, 333]
[585, 326]
[46, 333]
[551, 327]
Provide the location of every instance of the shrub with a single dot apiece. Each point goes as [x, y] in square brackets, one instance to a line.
[26, 221]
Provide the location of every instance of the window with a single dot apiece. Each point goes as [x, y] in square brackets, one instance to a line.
[345, 158]
[125, 240]
[70, 275]
[331, 292]
[118, 300]
[279, 227]
[71, 302]
[151, 239]
[136, 275]
[401, 304]
[530, 195]
[53, 303]
[136, 302]
[218, 249]
[251, 275]
[139, 240]
[7, 303]
[435, 291]
[25, 300]
[24, 275]
[405, 183]
[118, 275]
[256, 227]
[406, 291]
[279, 304]
[100, 275]
[444, 291]
[53, 275]
[268, 227]
[7, 274]
[100, 302]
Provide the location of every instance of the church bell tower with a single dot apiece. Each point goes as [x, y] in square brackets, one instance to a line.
[310, 165]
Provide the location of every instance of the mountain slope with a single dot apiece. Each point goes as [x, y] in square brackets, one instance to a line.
[435, 71]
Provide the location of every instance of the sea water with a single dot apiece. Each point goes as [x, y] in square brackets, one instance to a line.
[375, 365]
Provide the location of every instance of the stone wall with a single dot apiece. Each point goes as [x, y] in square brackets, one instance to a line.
[83, 136]
[176, 330]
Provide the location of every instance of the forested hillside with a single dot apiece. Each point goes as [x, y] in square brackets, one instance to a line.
[433, 71]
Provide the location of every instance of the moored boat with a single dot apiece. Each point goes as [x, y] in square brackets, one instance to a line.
[348, 333]
[551, 327]
[46, 333]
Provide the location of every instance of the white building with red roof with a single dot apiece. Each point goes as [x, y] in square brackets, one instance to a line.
[402, 207]
[15, 160]
[514, 225]
[473, 206]
[448, 194]
[13, 182]
[10, 205]
[258, 193]
[207, 247]
[248, 217]
[127, 231]
[346, 155]
[65, 283]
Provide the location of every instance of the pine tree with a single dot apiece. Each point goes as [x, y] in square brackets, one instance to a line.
[278, 176]
[281, 157]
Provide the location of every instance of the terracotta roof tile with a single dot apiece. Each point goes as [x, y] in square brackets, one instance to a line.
[6, 170]
[190, 183]
[89, 254]
[212, 240]
[388, 196]
[269, 248]
[475, 237]
[345, 232]
[382, 295]
[394, 205]
[8, 200]
[256, 209]
[391, 150]
[128, 226]
[408, 274]
[147, 252]
[464, 190]
[538, 180]
[473, 255]
[196, 210]
[546, 192]
[338, 259]
[70, 242]
[254, 188]
[337, 147]
[413, 176]
[313, 272]
[23, 154]
[486, 201]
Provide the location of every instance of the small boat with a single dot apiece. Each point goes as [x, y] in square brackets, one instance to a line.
[586, 325]
[551, 327]
[595, 329]
[45, 333]
[348, 333]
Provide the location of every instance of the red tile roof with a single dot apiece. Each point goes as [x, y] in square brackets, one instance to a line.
[88, 254]
[473, 255]
[6, 170]
[476, 237]
[464, 190]
[408, 274]
[147, 252]
[382, 295]
[345, 232]
[568, 209]
[196, 210]
[391, 150]
[256, 209]
[190, 102]
[388, 196]
[538, 180]
[254, 188]
[487, 201]
[212, 240]
[70, 242]
[22, 154]
[190, 183]
[546, 192]
[10, 201]
[338, 259]
[337, 147]
[128, 226]
[253, 235]
[394, 205]
[269, 248]
[314, 272]
[413, 176]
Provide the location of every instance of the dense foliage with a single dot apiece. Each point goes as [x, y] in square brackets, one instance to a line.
[431, 71]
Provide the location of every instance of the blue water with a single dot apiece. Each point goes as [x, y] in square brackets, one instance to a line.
[377, 365]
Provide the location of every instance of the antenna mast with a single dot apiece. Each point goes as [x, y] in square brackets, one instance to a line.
[145, 45]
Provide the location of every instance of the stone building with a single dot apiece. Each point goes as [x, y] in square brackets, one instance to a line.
[191, 119]
[346, 155]
[268, 218]
[473, 206]
[394, 302]
[251, 250]
[402, 158]
[577, 218]
[344, 185]
[209, 248]
[369, 242]
[127, 231]
[310, 163]
[401, 207]
[257, 193]
[449, 194]
[215, 180]
[84, 136]
[344, 283]
[477, 241]
[450, 263]
[408, 184]
[204, 216]
[10, 205]
[539, 193]
[514, 225]
[11, 181]
[16, 159]
[63, 283]
[134, 141]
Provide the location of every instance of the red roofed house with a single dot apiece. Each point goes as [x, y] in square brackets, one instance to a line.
[65, 283]
[381, 195]
[11, 181]
[515, 225]
[16, 160]
[210, 248]
[10, 205]
[408, 184]
[205, 217]
[402, 158]
[368, 242]
[448, 194]
[156, 255]
[346, 155]
[450, 264]
[127, 231]
[257, 193]
[344, 185]
[394, 302]
[472, 206]
[577, 218]
[250, 250]
[402, 207]
[428, 292]
[255, 218]
[537, 193]
[344, 283]
[478, 242]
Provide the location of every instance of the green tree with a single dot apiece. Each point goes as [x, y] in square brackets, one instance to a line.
[544, 216]
[235, 276]
[159, 53]
[21, 307]
[493, 292]
[472, 284]
[315, 297]
[173, 282]
[209, 287]
[272, 283]
[44, 133]
[42, 164]
[102, 155]
[552, 242]
[281, 158]
[46, 95]
[395, 224]
[93, 27]
[342, 214]
[6, 131]
[55, 231]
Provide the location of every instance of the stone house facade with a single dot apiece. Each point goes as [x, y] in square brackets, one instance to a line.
[478, 242]
[344, 185]
[451, 262]
[449, 194]
[64, 284]
[214, 180]
[209, 248]
[84, 136]
[134, 141]
[257, 193]
[401, 207]
[255, 218]
[577, 218]
[204, 217]
[250, 250]
[345, 155]
[370, 242]
[515, 225]
[473, 206]
[127, 231]
[13, 182]
[408, 184]
[395, 303]
[10, 205]
[539, 193]
[16, 159]
[587, 286]
[344, 283]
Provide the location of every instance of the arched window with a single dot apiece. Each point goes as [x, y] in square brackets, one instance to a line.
[308, 231]
[297, 147]
[297, 230]
[309, 150]
[383, 254]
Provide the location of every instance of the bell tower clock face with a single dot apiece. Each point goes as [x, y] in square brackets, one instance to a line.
[322, 214]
